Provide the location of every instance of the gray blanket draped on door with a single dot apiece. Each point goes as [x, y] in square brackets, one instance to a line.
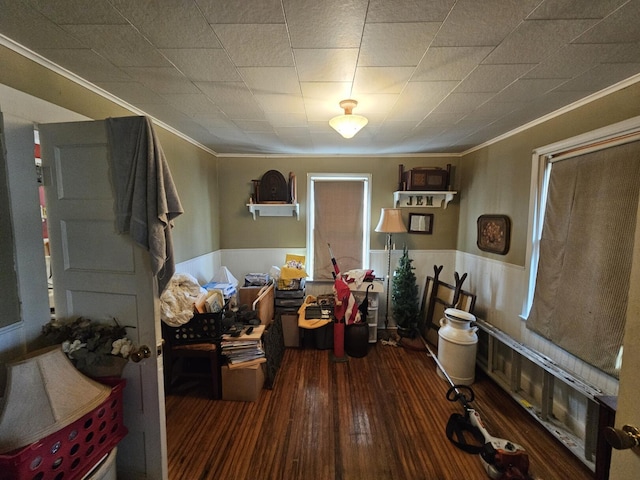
[146, 198]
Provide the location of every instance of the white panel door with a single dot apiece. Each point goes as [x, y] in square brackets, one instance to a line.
[99, 274]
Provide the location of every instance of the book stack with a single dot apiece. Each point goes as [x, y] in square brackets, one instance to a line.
[244, 350]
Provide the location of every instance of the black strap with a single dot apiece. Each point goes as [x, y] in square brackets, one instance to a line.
[457, 426]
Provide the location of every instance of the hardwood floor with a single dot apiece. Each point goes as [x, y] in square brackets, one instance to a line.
[379, 417]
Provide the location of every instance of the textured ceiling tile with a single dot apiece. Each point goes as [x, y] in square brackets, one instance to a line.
[162, 79]
[278, 103]
[625, 53]
[121, 44]
[292, 132]
[28, 27]
[441, 118]
[169, 24]
[425, 107]
[571, 9]
[396, 129]
[418, 99]
[449, 63]
[381, 79]
[249, 125]
[534, 40]
[234, 11]
[269, 80]
[408, 10]
[213, 120]
[233, 98]
[526, 90]
[485, 23]
[241, 111]
[322, 99]
[326, 65]
[621, 26]
[492, 78]
[76, 11]
[203, 64]
[601, 76]
[256, 45]
[490, 111]
[376, 107]
[462, 102]
[326, 23]
[395, 44]
[168, 113]
[87, 64]
[279, 119]
[191, 103]
[573, 59]
[553, 101]
[132, 92]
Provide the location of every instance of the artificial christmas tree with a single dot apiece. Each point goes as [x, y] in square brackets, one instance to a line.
[405, 297]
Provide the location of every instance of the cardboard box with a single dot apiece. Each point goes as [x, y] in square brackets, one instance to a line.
[247, 295]
[242, 384]
[290, 330]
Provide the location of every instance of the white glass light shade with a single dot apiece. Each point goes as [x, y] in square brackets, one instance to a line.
[391, 221]
[348, 124]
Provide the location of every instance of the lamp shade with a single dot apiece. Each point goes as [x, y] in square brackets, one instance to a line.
[391, 221]
[348, 124]
[44, 394]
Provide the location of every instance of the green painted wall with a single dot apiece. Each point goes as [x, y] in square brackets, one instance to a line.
[496, 178]
[239, 230]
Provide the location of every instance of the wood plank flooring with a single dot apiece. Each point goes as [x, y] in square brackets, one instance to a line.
[379, 417]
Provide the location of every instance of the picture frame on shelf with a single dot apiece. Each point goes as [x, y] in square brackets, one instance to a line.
[494, 233]
[421, 223]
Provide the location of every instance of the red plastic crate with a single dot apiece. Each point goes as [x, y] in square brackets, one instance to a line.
[70, 453]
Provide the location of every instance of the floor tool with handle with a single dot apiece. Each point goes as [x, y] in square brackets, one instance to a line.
[502, 459]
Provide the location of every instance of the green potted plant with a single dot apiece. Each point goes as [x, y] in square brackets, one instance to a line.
[404, 293]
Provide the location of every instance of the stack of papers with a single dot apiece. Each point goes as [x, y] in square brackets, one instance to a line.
[227, 289]
[244, 350]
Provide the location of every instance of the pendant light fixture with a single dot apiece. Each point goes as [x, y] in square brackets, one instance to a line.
[348, 124]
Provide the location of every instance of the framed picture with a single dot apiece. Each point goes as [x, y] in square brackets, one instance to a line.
[493, 233]
[421, 223]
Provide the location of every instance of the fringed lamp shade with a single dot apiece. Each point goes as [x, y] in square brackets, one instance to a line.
[44, 394]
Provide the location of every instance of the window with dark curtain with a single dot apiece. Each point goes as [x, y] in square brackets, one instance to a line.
[586, 247]
[338, 221]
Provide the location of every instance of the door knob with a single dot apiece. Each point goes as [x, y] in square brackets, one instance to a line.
[628, 437]
[141, 353]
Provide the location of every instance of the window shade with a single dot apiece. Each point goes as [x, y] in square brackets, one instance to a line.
[582, 284]
[338, 221]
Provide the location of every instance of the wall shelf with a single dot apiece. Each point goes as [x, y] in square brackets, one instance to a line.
[418, 199]
[274, 209]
